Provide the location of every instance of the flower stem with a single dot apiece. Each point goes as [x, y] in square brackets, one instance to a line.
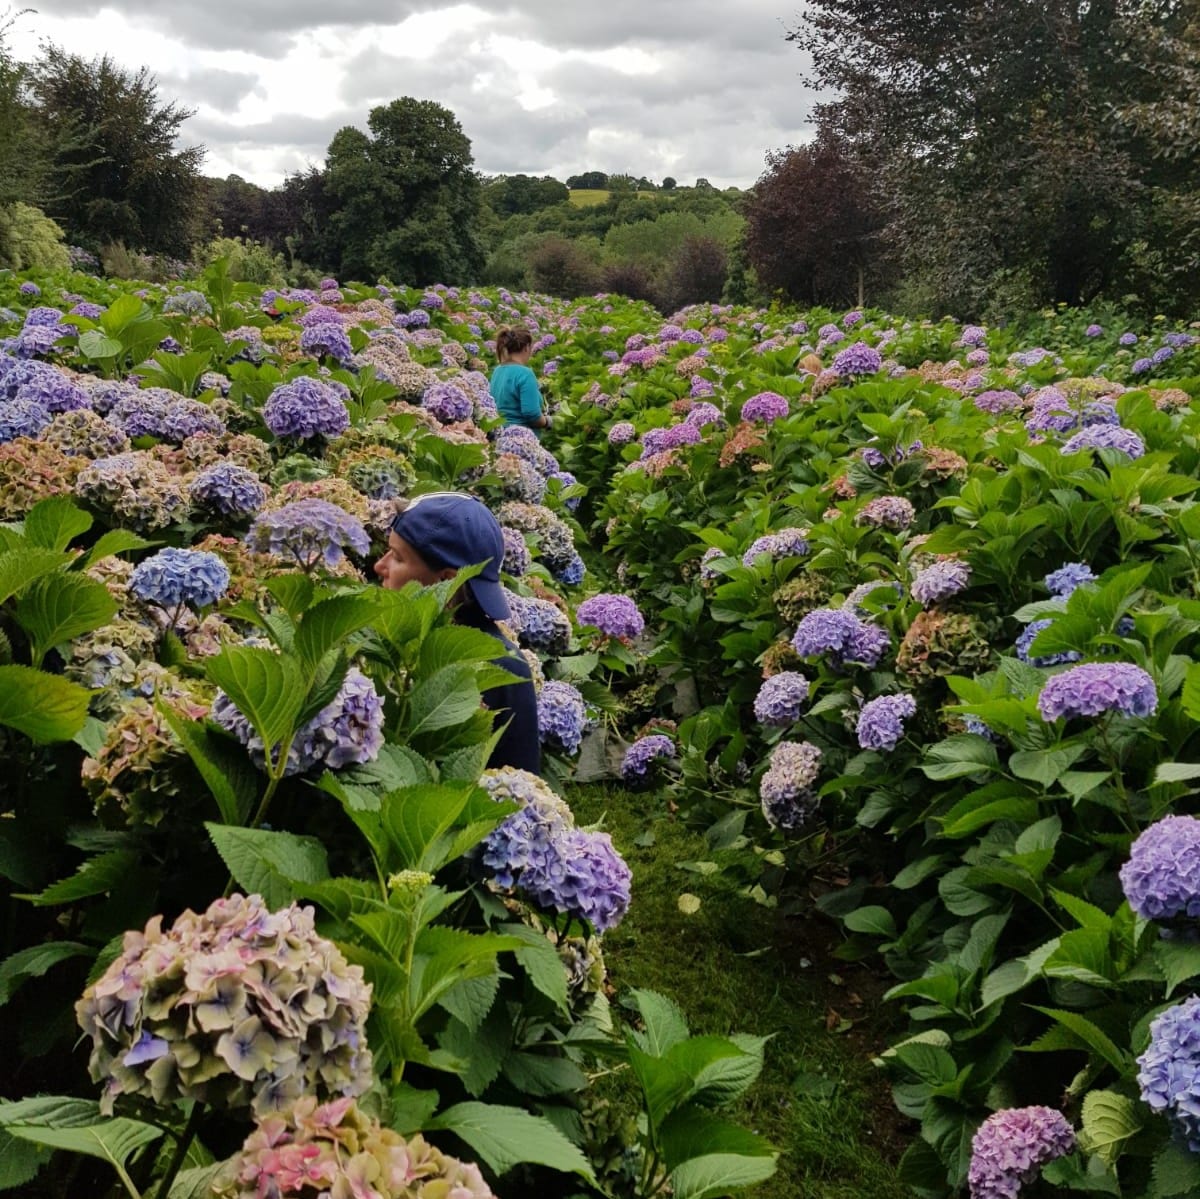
[181, 1150]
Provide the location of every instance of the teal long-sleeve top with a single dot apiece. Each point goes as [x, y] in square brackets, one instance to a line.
[515, 390]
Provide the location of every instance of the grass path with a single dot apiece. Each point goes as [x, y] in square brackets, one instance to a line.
[819, 1099]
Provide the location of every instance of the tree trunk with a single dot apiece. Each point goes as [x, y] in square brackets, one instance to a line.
[860, 286]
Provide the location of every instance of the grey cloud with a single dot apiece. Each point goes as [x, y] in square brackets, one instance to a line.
[220, 89]
[290, 130]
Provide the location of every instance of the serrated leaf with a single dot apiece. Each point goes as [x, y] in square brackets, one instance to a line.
[1176, 1172]
[665, 1024]
[61, 607]
[96, 876]
[33, 962]
[692, 1133]
[266, 862]
[1090, 1034]
[115, 541]
[505, 1136]
[114, 1141]
[22, 568]
[541, 962]
[196, 1183]
[449, 697]
[326, 625]
[716, 1174]
[1176, 772]
[1178, 960]
[229, 773]
[265, 686]
[877, 921]
[55, 522]
[45, 707]
[1109, 1120]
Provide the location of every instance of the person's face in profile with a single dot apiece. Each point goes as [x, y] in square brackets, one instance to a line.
[402, 564]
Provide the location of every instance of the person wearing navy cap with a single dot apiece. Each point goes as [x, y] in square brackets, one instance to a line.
[432, 538]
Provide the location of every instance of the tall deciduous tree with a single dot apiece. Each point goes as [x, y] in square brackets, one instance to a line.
[23, 157]
[116, 172]
[407, 196]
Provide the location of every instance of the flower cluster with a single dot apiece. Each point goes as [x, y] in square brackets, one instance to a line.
[448, 403]
[1098, 687]
[1011, 1147]
[1105, 437]
[308, 531]
[134, 489]
[886, 512]
[228, 490]
[539, 624]
[881, 721]
[1169, 1070]
[621, 433]
[767, 406]
[786, 543]
[857, 359]
[1064, 581]
[940, 581]
[85, 433]
[335, 1149]
[786, 790]
[237, 1006]
[348, 731]
[842, 635]
[613, 615]
[327, 338]
[305, 408]
[781, 699]
[22, 418]
[643, 753]
[562, 716]
[1161, 880]
[174, 577]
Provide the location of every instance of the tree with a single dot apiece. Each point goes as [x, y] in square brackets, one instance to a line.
[811, 226]
[116, 174]
[407, 196]
[24, 162]
[669, 184]
[588, 181]
[703, 183]
[563, 268]
[512, 194]
[698, 272]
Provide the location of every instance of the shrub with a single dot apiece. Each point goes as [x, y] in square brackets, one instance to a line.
[30, 240]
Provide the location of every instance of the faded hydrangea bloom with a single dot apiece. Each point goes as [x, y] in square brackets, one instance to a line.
[881, 721]
[1098, 687]
[786, 790]
[238, 1006]
[539, 624]
[312, 1151]
[1161, 880]
[1012, 1146]
[1169, 1070]
[886, 512]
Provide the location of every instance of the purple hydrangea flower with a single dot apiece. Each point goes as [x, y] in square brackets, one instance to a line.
[228, 489]
[1064, 581]
[940, 581]
[643, 752]
[1141, 366]
[175, 577]
[1161, 880]
[1094, 331]
[978, 358]
[517, 558]
[561, 716]
[887, 512]
[348, 731]
[1161, 355]
[43, 315]
[786, 543]
[621, 433]
[997, 401]
[305, 408]
[29, 288]
[52, 390]
[857, 359]
[1106, 437]
[539, 624]
[704, 414]
[1169, 1070]
[22, 418]
[327, 338]
[767, 406]
[1127, 339]
[183, 418]
[448, 403]
[707, 573]
[781, 699]
[1031, 357]
[881, 721]
[785, 791]
[1012, 1146]
[973, 335]
[851, 319]
[1026, 640]
[1051, 413]
[614, 615]
[841, 635]
[309, 531]
[591, 880]
[1098, 687]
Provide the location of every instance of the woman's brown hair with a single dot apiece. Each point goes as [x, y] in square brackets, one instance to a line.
[512, 341]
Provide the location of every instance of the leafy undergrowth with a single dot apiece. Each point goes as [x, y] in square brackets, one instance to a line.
[819, 1099]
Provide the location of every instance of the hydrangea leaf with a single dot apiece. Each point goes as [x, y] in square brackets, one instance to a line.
[717, 1174]
[45, 707]
[1109, 1120]
[54, 523]
[61, 607]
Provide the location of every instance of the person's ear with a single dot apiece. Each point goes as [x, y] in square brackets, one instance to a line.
[447, 573]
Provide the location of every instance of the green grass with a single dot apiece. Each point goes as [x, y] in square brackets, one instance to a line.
[819, 1099]
[585, 197]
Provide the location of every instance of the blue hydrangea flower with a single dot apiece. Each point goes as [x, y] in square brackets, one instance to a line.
[1066, 579]
[572, 573]
[614, 615]
[22, 418]
[842, 636]
[857, 360]
[448, 403]
[308, 531]
[591, 881]
[562, 716]
[539, 624]
[53, 390]
[781, 699]
[1026, 640]
[517, 558]
[1127, 339]
[881, 721]
[1161, 880]
[940, 581]
[228, 489]
[173, 578]
[786, 790]
[305, 408]
[1169, 1070]
[786, 543]
[1095, 688]
[645, 751]
[327, 338]
[1106, 437]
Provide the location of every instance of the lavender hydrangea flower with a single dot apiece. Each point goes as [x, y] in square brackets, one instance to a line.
[973, 335]
[1106, 437]
[857, 360]
[1161, 880]
[785, 791]
[1141, 366]
[1127, 339]
[348, 731]
[781, 699]
[940, 581]
[539, 624]
[591, 880]
[228, 489]
[1094, 331]
[561, 716]
[29, 288]
[997, 401]
[886, 512]
[708, 573]
[53, 390]
[767, 406]
[175, 577]
[842, 636]
[1098, 687]
[309, 531]
[786, 543]
[621, 433]
[517, 558]
[1064, 581]
[448, 403]
[614, 615]
[22, 418]
[1011, 1147]
[327, 338]
[881, 721]
[701, 415]
[640, 756]
[1169, 1070]
[1029, 635]
[305, 408]
[43, 315]
[571, 573]
[183, 418]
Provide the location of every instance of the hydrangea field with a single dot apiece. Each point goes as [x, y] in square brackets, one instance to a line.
[903, 615]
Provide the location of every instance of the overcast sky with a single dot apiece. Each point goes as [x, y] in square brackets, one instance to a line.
[687, 88]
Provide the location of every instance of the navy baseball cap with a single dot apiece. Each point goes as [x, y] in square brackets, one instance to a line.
[451, 530]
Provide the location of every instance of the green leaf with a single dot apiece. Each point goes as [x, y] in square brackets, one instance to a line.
[930, 1063]
[505, 1136]
[114, 1141]
[717, 1174]
[541, 962]
[115, 541]
[327, 624]
[449, 697]
[417, 820]
[45, 707]
[60, 607]
[1109, 1120]
[875, 920]
[22, 568]
[33, 962]
[265, 686]
[1176, 1172]
[226, 769]
[54, 523]
[96, 876]
[921, 1168]
[266, 862]
[94, 344]
[1091, 1035]
[196, 1183]
[455, 643]
[1178, 960]
[958, 756]
[19, 1160]
[470, 1001]
[727, 1078]
[665, 1024]
[1045, 765]
[293, 590]
[692, 1132]
[1176, 772]
[1190, 697]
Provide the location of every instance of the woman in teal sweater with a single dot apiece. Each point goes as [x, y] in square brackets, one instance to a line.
[513, 385]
